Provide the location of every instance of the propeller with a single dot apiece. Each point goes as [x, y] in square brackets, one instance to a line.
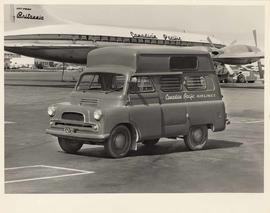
[259, 62]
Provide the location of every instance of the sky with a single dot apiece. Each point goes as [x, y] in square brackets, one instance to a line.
[227, 23]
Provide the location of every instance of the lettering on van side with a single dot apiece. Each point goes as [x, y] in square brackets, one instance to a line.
[189, 96]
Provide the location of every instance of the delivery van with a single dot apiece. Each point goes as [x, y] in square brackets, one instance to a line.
[131, 95]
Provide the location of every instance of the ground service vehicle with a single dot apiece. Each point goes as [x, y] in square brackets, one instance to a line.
[128, 95]
[234, 74]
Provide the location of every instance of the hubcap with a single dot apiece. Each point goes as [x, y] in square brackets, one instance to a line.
[120, 141]
[197, 135]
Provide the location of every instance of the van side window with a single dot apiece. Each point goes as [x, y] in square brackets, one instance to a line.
[144, 84]
[195, 83]
[170, 83]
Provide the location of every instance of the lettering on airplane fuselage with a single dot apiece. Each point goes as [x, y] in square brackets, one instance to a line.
[29, 16]
[143, 35]
[172, 38]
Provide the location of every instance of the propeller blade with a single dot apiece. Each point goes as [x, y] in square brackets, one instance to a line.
[255, 37]
[259, 62]
[210, 41]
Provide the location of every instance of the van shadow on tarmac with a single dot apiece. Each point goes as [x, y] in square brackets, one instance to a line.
[162, 148]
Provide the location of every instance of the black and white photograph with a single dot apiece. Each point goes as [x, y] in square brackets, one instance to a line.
[135, 99]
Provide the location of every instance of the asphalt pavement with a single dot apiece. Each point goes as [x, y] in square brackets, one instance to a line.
[232, 161]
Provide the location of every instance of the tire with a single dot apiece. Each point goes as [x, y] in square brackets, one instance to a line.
[119, 142]
[241, 78]
[69, 146]
[150, 142]
[196, 138]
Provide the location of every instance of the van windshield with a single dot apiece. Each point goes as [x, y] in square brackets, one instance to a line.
[105, 82]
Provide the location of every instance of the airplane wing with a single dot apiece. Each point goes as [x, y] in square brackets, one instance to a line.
[238, 58]
[236, 54]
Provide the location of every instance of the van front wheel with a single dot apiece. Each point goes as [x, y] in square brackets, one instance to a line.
[196, 137]
[69, 145]
[119, 142]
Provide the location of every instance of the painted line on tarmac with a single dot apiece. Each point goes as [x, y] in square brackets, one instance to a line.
[64, 168]
[49, 177]
[78, 172]
[22, 167]
[10, 122]
[248, 122]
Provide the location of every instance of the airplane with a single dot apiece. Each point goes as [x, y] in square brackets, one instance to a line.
[47, 37]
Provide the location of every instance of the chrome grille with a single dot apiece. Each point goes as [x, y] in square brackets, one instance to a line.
[72, 116]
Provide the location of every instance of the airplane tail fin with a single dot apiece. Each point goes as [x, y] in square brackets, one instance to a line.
[26, 15]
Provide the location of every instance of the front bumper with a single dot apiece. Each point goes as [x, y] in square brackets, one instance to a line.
[76, 132]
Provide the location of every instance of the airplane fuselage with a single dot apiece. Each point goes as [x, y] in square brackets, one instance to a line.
[68, 43]
[73, 48]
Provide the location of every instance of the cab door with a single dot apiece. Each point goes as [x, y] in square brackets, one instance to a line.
[144, 108]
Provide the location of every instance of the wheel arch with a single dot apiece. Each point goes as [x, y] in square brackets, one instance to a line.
[135, 134]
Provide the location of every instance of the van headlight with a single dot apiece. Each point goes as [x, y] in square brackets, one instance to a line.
[51, 111]
[97, 114]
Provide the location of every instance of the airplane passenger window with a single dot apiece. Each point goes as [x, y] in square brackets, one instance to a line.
[94, 38]
[112, 39]
[104, 38]
[147, 41]
[167, 42]
[119, 39]
[126, 40]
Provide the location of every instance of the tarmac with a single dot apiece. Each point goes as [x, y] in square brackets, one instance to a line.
[54, 79]
[232, 161]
